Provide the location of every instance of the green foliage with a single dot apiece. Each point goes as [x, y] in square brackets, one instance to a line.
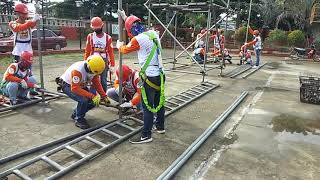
[278, 37]
[240, 34]
[229, 34]
[296, 38]
[317, 42]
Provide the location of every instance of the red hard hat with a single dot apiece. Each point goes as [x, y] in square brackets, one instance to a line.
[129, 22]
[256, 32]
[126, 71]
[21, 8]
[96, 23]
[26, 59]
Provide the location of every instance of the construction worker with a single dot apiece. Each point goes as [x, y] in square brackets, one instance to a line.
[218, 41]
[75, 82]
[131, 92]
[18, 79]
[100, 43]
[21, 29]
[257, 45]
[245, 56]
[147, 45]
[198, 55]
[201, 42]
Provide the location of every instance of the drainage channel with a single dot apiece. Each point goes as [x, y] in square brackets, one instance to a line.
[101, 138]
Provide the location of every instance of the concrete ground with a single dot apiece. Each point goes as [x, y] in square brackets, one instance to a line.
[272, 135]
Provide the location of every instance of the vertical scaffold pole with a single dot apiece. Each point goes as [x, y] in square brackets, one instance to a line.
[120, 36]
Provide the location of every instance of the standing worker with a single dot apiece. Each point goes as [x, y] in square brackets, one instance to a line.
[100, 43]
[257, 45]
[75, 82]
[21, 29]
[147, 44]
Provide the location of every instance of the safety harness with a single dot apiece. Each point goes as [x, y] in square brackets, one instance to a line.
[143, 76]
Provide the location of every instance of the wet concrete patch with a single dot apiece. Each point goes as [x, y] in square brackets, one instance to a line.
[294, 124]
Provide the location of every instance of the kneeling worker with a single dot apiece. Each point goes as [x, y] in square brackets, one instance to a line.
[130, 91]
[75, 82]
[18, 80]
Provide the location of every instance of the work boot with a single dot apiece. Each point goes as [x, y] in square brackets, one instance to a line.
[13, 102]
[82, 123]
[33, 92]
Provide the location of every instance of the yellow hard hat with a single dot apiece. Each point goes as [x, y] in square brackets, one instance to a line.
[96, 64]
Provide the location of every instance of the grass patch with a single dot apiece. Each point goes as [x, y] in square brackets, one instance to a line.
[4, 63]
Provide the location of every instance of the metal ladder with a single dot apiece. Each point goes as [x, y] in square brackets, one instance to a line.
[253, 71]
[129, 125]
[237, 71]
[5, 103]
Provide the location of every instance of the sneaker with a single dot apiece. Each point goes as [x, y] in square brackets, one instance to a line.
[140, 140]
[82, 124]
[73, 116]
[254, 67]
[160, 131]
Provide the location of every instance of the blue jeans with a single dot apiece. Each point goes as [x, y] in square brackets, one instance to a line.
[198, 58]
[258, 53]
[153, 97]
[83, 106]
[111, 93]
[14, 89]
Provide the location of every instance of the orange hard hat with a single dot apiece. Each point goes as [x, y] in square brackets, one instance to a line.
[203, 31]
[126, 72]
[96, 23]
[256, 32]
[129, 22]
[21, 8]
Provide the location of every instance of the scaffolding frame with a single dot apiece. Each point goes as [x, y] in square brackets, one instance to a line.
[202, 7]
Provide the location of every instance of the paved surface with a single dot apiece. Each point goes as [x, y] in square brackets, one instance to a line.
[270, 136]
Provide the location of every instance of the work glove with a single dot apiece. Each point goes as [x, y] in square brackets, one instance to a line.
[105, 100]
[36, 86]
[112, 69]
[126, 105]
[36, 17]
[96, 100]
[122, 14]
[24, 84]
[119, 44]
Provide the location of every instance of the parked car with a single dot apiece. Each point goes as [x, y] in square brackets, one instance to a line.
[49, 41]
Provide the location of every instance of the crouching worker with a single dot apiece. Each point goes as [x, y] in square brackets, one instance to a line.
[147, 45]
[245, 56]
[130, 90]
[18, 80]
[198, 55]
[75, 82]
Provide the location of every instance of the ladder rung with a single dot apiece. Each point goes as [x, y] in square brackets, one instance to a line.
[179, 99]
[185, 96]
[126, 126]
[194, 92]
[21, 174]
[170, 108]
[199, 89]
[112, 133]
[136, 119]
[190, 94]
[168, 101]
[95, 141]
[52, 163]
[75, 151]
